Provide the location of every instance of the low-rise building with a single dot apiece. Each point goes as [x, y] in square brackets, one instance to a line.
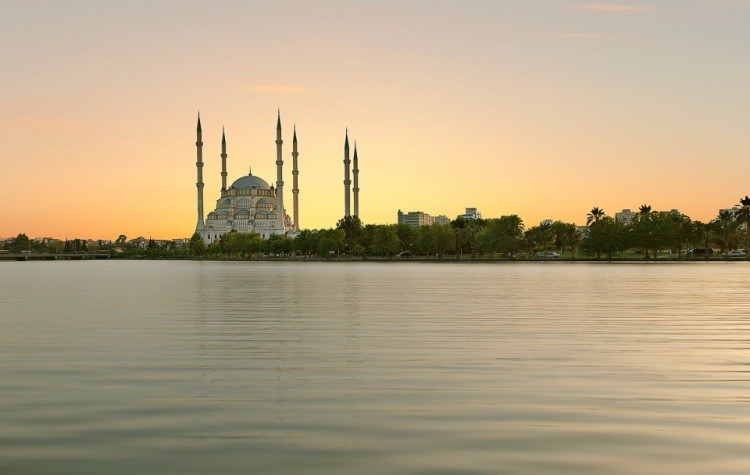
[471, 213]
[442, 219]
[626, 216]
[415, 218]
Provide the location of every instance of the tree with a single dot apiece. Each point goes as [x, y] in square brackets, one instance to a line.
[331, 242]
[197, 245]
[386, 241]
[566, 237]
[606, 236]
[726, 231]
[352, 227]
[21, 243]
[502, 235]
[742, 215]
[539, 236]
[441, 239]
[367, 239]
[594, 215]
[467, 234]
[277, 244]
[407, 234]
[703, 234]
[306, 242]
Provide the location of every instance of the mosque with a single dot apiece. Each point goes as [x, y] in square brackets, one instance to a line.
[251, 205]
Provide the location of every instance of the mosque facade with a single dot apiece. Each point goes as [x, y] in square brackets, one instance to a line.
[250, 204]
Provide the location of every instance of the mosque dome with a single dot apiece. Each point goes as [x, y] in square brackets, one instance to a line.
[249, 182]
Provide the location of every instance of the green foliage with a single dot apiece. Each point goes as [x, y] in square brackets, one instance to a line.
[352, 227]
[386, 241]
[538, 238]
[21, 243]
[594, 215]
[566, 237]
[442, 239]
[742, 215]
[197, 246]
[654, 231]
[503, 235]
[606, 236]
[726, 231]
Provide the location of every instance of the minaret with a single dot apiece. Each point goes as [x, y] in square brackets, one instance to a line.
[295, 183]
[199, 165]
[223, 162]
[355, 172]
[279, 177]
[347, 181]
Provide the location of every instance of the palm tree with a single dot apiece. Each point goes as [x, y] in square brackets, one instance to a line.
[595, 215]
[642, 229]
[742, 215]
[726, 230]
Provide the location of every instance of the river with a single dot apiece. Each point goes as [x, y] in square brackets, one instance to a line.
[160, 367]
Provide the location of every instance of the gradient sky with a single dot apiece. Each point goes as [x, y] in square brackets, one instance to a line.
[541, 108]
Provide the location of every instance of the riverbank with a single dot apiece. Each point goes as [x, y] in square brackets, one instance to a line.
[420, 259]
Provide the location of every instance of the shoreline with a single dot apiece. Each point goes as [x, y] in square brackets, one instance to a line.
[381, 260]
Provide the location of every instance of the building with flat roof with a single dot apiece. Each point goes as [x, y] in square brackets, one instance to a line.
[415, 218]
[442, 219]
[626, 215]
[471, 213]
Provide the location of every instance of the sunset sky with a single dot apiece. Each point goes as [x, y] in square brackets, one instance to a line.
[541, 108]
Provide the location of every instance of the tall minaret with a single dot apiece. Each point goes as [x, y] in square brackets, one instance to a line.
[295, 184]
[355, 172]
[199, 165]
[223, 162]
[347, 181]
[279, 177]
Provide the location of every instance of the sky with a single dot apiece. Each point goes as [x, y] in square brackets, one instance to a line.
[541, 108]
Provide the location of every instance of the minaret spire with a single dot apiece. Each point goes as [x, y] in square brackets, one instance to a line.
[347, 181]
[295, 183]
[355, 173]
[223, 162]
[279, 173]
[199, 168]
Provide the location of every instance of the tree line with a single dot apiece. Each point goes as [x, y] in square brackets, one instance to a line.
[646, 236]
[604, 237]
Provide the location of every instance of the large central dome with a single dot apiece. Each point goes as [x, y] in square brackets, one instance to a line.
[250, 182]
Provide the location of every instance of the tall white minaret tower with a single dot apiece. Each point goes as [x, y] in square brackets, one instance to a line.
[223, 162]
[355, 172]
[295, 183]
[279, 174]
[199, 166]
[347, 181]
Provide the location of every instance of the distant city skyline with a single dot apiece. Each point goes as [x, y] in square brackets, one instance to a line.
[542, 109]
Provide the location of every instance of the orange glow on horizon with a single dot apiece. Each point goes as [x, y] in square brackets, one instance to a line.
[451, 107]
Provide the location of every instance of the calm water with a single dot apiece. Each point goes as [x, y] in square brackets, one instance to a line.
[200, 368]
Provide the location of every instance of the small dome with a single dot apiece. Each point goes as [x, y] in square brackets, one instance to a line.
[250, 182]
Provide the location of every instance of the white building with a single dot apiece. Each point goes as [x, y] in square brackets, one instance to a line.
[250, 204]
[626, 216]
[471, 213]
[415, 218]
